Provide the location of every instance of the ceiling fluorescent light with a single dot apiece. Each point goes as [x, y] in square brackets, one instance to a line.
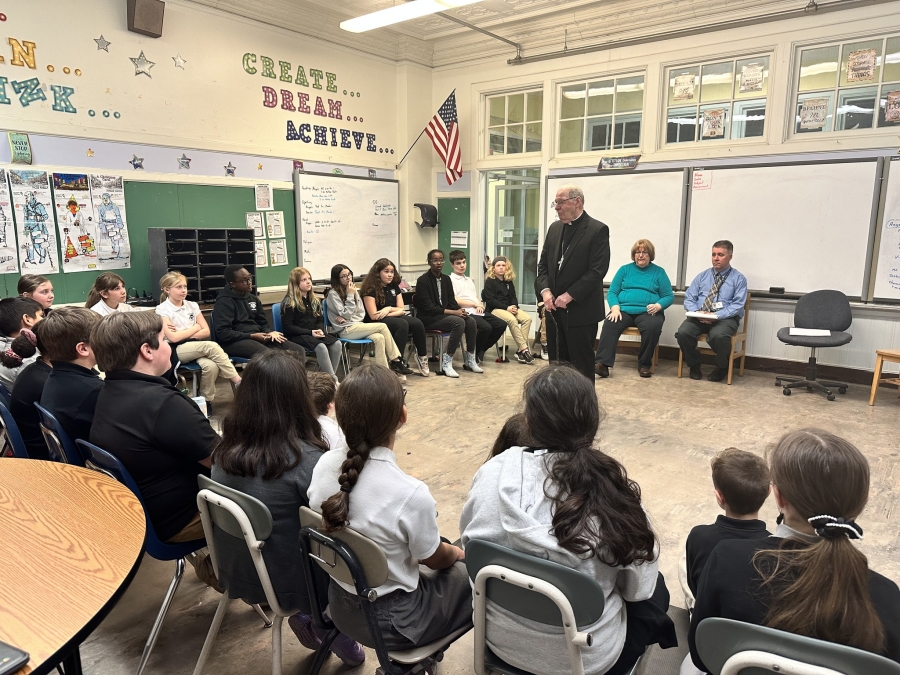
[400, 13]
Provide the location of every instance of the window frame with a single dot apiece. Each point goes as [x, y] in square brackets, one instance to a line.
[486, 149]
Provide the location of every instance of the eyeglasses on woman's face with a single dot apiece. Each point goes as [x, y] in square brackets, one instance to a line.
[346, 275]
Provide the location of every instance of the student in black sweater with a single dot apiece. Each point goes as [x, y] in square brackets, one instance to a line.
[500, 300]
[28, 387]
[303, 322]
[808, 578]
[741, 481]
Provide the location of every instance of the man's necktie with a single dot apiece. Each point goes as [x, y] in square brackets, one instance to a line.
[713, 294]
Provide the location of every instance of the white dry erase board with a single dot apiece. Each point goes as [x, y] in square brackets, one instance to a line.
[345, 220]
[804, 227]
[887, 274]
[640, 205]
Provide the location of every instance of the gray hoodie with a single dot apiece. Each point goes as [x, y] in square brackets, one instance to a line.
[507, 506]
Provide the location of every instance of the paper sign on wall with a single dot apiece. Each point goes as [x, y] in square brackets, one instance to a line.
[459, 239]
[684, 87]
[264, 197]
[861, 65]
[892, 107]
[33, 205]
[813, 113]
[278, 252]
[108, 197]
[255, 223]
[9, 261]
[702, 180]
[262, 254]
[78, 233]
[19, 148]
[275, 223]
[714, 123]
[751, 78]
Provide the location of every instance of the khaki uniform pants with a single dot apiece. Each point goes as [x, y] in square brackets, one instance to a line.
[213, 362]
[519, 325]
[378, 333]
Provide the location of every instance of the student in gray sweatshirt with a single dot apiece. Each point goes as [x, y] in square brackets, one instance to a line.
[564, 501]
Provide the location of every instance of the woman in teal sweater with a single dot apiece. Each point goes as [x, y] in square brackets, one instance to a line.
[637, 296]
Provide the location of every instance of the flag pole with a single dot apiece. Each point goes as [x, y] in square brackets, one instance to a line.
[417, 138]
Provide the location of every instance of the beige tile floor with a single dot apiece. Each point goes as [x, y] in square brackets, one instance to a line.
[663, 429]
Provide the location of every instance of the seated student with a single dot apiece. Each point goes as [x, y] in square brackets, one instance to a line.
[108, 295]
[808, 578]
[28, 387]
[500, 299]
[323, 389]
[346, 313]
[304, 324]
[741, 482]
[639, 294]
[362, 486]
[17, 314]
[439, 310]
[490, 328]
[38, 288]
[72, 390]
[188, 334]
[240, 323]
[513, 434]
[383, 301]
[562, 500]
[720, 290]
[270, 443]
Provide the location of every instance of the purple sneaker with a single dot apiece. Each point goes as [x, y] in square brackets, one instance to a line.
[346, 649]
[302, 626]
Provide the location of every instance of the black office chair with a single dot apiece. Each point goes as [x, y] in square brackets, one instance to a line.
[824, 310]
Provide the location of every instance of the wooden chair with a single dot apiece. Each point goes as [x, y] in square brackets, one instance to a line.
[882, 355]
[739, 337]
[633, 330]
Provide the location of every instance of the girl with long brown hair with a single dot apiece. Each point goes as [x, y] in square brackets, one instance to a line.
[808, 578]
[361, 486]
[563, 500]
[108, 295]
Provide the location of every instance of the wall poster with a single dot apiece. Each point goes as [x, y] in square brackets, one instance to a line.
[108, 197]
[32, 205]
[78, 235]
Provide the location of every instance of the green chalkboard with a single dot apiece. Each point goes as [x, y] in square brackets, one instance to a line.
[176, 205]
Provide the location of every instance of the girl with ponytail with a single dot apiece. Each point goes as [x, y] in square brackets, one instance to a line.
[362, 487]
[565, 501]
[808, 578]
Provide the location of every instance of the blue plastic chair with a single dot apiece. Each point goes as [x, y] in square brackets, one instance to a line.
[195, 371]
[5, 396]
[11, 443]
[102, 461]
[59, 443]
[362, 342]
[236, 360]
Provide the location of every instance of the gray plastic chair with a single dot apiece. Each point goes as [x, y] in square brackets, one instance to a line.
[729, 647]
[824, 310]
[244, 517]
[534, 589]
[354, 559]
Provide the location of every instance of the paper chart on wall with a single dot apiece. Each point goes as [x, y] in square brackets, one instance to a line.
[9, 261]
[262, 255]
[278, 252]
[275, 223]
[78, 233]
[264, 197]
[108, 197]
[255, 223]
[33, 205]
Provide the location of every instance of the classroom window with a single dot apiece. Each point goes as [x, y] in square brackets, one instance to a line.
[515, 123]
[601, 114]
[716, 101]
[848, 86]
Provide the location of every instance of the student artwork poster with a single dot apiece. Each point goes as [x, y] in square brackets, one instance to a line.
[78, 235]
[9, 261]
[33, 206]
[108, 197]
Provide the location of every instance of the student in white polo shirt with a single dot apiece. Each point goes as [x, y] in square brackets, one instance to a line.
[490, 328]
[188, 332]
[362, 487]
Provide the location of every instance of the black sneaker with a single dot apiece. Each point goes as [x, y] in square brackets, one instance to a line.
[528, 357]
[521, 358]
[400, 368]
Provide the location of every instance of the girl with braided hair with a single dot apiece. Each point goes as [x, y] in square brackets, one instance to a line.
[427, 594]
[808, 578]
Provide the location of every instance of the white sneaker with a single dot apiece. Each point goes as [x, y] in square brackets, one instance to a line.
[545, 354]
[471, 363]
[422, 361]
[447, 366]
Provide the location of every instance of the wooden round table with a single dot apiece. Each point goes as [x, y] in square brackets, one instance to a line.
[71, 541]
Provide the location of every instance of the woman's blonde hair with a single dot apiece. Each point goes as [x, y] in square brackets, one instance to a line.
[294, 296]
[645, 244]
[103, 284]
[510, 272]
[168, 280]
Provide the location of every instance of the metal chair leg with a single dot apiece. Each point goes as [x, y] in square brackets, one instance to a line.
[276, 645]
[323, 652]
[265, 617]
[154, 633]
[213, 632]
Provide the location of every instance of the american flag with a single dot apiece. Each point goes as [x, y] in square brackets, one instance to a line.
[443, 130]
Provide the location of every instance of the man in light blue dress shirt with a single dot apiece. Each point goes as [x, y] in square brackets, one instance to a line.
[721, 291]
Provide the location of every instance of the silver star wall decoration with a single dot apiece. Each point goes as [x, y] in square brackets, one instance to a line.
[102, 43]
[184, 162]
[229, 170]
[136, 162]
[142, 65]
[179, 62]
